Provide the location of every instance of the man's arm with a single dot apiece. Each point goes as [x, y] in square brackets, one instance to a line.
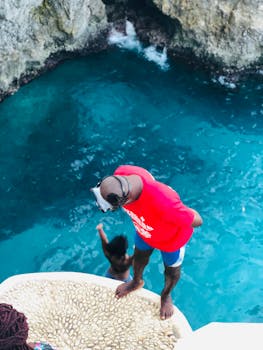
[104, 239]
[197, 218]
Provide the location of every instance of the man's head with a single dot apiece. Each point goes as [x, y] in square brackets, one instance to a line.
[112, 192]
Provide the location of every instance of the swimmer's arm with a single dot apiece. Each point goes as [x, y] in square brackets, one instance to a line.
[198, 221]
[103, 237]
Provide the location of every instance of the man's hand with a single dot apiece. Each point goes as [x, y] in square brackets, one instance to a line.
[198, 221]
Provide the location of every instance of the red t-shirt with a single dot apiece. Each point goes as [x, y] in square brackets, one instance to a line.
[159, 216]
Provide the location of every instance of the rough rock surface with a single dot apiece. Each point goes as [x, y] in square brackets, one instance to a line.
[228, 32]
[35, 34]
[34, 30]
[79, 315]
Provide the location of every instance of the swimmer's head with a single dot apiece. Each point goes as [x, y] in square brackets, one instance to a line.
[118, 246]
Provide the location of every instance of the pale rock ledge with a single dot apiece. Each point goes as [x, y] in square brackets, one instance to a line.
[73, 310]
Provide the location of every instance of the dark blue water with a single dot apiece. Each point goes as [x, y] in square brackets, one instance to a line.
[77, 123]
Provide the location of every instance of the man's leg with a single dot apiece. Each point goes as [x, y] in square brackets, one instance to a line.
[172, 272]
[172, 275]
[141, 257]
[140, 260]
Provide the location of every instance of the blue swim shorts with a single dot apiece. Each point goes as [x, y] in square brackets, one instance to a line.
[172, 259]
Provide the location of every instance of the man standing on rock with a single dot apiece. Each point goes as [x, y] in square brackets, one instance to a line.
[161, 221]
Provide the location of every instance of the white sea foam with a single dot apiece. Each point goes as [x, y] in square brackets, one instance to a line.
[223, 81]
[159, 57]
[129, 41]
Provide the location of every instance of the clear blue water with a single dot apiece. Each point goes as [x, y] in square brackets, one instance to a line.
[77, 123]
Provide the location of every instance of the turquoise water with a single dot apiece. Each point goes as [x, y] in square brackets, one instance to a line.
[77, 123]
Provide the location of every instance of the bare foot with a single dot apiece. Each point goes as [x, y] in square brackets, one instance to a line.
[125, 288]
[167, 308]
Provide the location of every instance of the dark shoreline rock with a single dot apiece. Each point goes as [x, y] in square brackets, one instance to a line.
[156, 28]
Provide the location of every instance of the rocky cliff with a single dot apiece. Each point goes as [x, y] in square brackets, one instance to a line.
[32, 31]
[35, 34]
[229, 32]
